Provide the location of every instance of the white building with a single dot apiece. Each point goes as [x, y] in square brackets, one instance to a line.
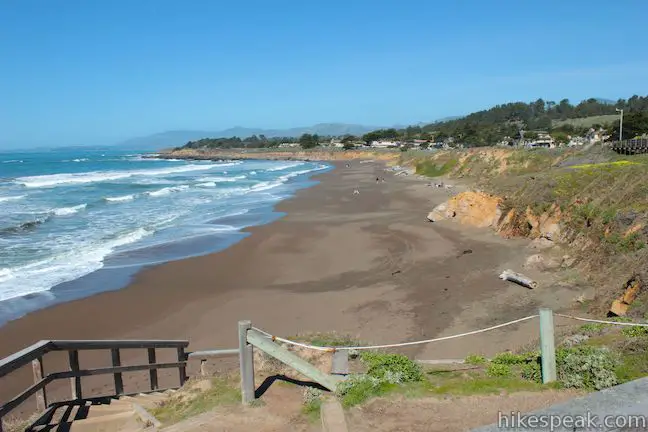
[384, 144]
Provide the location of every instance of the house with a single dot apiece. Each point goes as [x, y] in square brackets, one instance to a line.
[384, 144]
[288, 145]
[544, 140]
[336, 143]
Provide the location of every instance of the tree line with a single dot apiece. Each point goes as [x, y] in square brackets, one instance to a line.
[482, 128]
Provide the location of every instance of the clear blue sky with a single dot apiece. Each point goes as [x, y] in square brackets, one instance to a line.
[99, 71]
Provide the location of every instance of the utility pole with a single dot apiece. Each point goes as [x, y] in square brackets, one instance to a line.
[620, 124]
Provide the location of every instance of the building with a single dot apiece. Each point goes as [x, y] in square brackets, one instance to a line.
[544, 140]
[288, 145]
[384, 144]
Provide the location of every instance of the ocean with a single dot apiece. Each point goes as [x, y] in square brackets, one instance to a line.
[68, 216]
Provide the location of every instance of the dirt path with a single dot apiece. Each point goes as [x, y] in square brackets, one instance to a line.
[449, 414]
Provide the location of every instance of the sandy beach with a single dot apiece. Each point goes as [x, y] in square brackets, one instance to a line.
[368, 264]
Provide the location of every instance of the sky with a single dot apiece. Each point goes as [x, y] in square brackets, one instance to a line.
[95, 72]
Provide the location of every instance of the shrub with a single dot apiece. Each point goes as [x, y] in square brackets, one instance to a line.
[592, 328]
[507, 358]
[474, 359]
[635, 331]
[392, 366]
[498, 370]
[358, 388]
[312, 398]
[588, 367]
[577, 367]
[383, 372]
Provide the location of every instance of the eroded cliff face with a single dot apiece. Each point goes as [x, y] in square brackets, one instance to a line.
[483, 210]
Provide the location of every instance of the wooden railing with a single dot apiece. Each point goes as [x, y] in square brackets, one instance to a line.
[633, 146]
[34, 355]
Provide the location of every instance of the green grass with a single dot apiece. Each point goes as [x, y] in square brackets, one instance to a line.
[331, 339]
[431, 168]
[311, 410]
[178, 408]
[476, 382]
[588, 121]
[474, 359]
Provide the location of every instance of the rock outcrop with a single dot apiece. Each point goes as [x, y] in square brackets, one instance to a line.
[484, 210]
[471, 208]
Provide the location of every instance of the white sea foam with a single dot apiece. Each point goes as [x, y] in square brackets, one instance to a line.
[224, 179]
[12, 161]
[120, 198]
[66, 211]
[42, 275]
[207, 184]
[12, 198]
[284, 167]
[101, 176]
[167, 190]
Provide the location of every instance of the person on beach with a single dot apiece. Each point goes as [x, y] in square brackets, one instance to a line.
[356, 192]
[377, 179]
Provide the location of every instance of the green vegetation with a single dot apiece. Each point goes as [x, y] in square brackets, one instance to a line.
[498, 370]
[473, 359]
[312, 403]
[384, 373]
[587, 122]
[193, 402]
[431, 169]
[308, 141]
[330, 339]
[506, 122]
[461, 383]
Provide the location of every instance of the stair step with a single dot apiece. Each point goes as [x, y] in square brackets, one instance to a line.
[152, 396]
[146, 402]
[107, 423]
[102, 410]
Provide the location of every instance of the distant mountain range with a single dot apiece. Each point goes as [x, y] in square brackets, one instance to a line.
[179, 137]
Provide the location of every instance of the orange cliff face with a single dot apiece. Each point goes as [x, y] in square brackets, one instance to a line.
[484, 210]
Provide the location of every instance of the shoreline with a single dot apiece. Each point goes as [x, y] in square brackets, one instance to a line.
[115, 275]
[368, 265]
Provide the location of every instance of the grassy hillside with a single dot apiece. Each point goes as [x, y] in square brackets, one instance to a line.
[587, 121]
[601, 199]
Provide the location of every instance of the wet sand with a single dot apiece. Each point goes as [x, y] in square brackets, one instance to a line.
[369, 265]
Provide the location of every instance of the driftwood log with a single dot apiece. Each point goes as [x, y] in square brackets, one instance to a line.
[510, 275]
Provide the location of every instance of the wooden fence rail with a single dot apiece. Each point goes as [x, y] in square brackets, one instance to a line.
[630, 147]
[34, 355]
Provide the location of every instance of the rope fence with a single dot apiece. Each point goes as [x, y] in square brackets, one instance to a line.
[425, 341]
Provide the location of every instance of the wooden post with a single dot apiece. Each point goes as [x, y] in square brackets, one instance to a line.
[294, 361]
[246, 360]
[76, 381]
[41, 396]
[203, 367]
[116, 362]
[182, 370]
[547, 346]
[153, 375]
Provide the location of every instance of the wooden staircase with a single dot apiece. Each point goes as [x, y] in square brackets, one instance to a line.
[124, 414]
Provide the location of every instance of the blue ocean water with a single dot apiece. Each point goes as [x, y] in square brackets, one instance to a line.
[67, 214]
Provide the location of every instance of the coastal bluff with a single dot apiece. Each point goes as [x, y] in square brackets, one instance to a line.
[299, 155]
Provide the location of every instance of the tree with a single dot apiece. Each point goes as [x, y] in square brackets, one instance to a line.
[349, 139]
[308, 141]
[348, 145]
[634, 124]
